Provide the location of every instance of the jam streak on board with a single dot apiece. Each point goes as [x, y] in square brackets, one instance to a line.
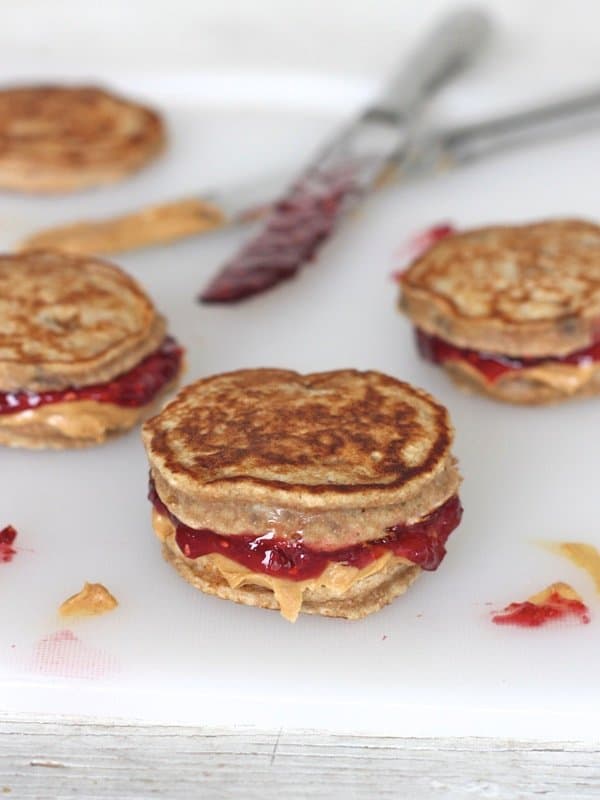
[552, 605]
[294, 231]
[7, 537]
[492, 365]
[422, 543]
[131, 390]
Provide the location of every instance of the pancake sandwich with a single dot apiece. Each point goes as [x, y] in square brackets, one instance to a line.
[512, 312]
[62, 138]
[83, 352]
[326, 493]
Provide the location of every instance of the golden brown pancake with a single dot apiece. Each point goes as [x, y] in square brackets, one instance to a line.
[526, 298]
[325, 461]
[62, 138]
[77, 335]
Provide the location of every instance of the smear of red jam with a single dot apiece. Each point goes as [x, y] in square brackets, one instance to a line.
[7, 537]
[533, 615]
[295, 230]
[422, 543]
[131, 389]
[492, 365]
[419, 244]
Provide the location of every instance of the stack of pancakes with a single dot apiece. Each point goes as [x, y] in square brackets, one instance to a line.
[301, 467]
[512, 312]
[73, 331]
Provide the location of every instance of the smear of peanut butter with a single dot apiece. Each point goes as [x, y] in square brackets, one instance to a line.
[561, 589]
[93, 599]
[585, 556]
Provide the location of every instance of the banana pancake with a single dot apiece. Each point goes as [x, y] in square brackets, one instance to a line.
[62, 138]
[512, 312]
[83, 351]
[325, 493]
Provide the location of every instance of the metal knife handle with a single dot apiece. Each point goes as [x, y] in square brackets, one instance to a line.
[448, 47]
[526, 127]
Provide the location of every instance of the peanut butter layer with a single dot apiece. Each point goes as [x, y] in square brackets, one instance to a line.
[340, 590]
[550, 382]
[77, 423]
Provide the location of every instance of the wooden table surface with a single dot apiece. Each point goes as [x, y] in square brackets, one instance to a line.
[69, 758]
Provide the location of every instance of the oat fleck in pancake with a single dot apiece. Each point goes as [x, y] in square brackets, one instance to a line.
[59, 138]
[324, 493]
[83, 351]
[512, 312]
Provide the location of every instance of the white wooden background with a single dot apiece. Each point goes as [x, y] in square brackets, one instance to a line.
[50, 760]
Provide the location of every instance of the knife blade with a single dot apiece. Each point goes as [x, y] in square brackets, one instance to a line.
[348, 167]
[435, 152]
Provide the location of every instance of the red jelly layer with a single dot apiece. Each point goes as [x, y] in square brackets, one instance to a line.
[422, 543]
[532, 615]
[131, 389]
[294, 231]
[492, 365]
[7, 537]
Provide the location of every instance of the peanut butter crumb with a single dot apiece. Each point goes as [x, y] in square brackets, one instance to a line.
[93, 599]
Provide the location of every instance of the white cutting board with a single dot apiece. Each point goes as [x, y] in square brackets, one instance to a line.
[432, 663]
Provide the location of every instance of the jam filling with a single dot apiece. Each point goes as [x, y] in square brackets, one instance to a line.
[295, 230]
[533, 615]
[7, 537]
[422, 543]
[492, 365]
[130, 390]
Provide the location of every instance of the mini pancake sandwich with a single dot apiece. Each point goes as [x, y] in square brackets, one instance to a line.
[83, 351]
[325, 494]
[512, 312]
[61, 138]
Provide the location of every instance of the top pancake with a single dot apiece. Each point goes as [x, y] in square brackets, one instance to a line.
[70, 321]
[531, 290]
[343, 439]
[55, 138]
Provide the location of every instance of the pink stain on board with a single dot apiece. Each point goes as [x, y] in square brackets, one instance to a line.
[64, 655]
[419, 244]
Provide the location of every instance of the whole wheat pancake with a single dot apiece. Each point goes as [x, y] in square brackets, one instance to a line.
[530, 290]
[325, 461]
[512, 312]
[60, 138]
[70, 321]
[83, 351]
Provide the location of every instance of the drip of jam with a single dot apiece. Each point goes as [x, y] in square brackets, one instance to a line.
[533, 615]
[7, 537]
[492, 365]
[422, 543]
[131, 389]
[294, 231]
[419, 244]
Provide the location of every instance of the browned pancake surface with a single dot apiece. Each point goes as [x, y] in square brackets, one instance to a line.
[58, 138]
[68, 321]
[517, 290]
[231, 448]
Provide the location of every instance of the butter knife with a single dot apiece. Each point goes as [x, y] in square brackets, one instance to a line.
[348, 167]
[435, 152]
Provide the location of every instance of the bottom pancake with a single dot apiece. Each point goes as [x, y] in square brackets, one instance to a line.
[541, 385]
[73, 424]
[364, 596]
